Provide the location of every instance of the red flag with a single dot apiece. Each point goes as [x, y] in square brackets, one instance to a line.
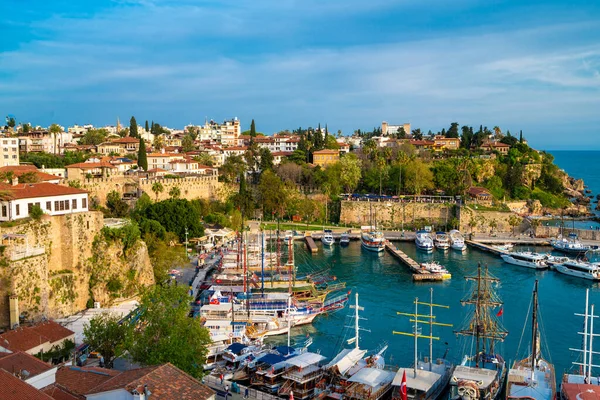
[291, 395]
[403, 387]
[499, 313]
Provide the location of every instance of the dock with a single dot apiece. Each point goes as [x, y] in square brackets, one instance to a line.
[485, 247]
[418, 273]
[310, 243]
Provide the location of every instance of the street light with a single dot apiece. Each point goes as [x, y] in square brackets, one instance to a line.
[186, 242]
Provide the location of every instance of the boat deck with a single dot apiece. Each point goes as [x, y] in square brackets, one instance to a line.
[418, 273]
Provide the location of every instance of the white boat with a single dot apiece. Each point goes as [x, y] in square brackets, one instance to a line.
[436, 268]
[441, 241]
[553, 261]
[372, 239]
[457, 241]
[525, 259]
[503, 247]
[345, 239]
[289, 236]
[570, 245]
[424, 241]
[580, 269]
[532, 378]
[327, 238]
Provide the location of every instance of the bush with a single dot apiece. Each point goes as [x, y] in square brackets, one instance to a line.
[36, 212]
[114, 285]
[549, 200]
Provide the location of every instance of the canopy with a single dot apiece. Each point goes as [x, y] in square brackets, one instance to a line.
[423, 381]
[305, 359]
[372, 377]
[346, 359]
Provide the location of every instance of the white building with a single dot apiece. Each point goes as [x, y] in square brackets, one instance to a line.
[44, 141]
[51, 198]
[9, 151]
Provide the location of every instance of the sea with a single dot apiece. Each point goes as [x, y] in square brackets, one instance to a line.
[385, 288]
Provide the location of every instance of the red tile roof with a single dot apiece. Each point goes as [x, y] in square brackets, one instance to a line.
[26, 338]
[236, 148]
[52, 330]
[42, 189]
[479, 191]
[19, 170]
[165, 382]
[12, 388]
[126, 140]
[156, 170]
[91, 165]
[327, 151]
[19, 361]
[82, 380]
[59, 393]
[282, 153]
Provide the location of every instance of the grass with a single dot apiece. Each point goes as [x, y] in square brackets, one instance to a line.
[290, 226]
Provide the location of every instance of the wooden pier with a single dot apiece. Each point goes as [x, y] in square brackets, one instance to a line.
[310, 243]
[485, 247]
[418, 273]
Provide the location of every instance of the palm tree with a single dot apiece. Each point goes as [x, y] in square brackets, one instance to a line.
[157, 188]
[493, 225]
[175, 192]
[514, 221]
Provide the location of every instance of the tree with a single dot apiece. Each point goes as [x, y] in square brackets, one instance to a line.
[167, 334]
[243, 199]
[11, 122]
[157, 188]
[350, 172]
[418, 177]
[36, 212]
[252, 129]
[204, 159]
[520, 136]
[25, 128]
[92, 136]
[55, 128]
[298, 157]
[175, 215]
[133, 128]
[401, 133]
[175, 192]
[272, 195]
[417, 134]
[231, 168]
[187, 143]
[142, 156]
[116, 205]
[107, 336]
[266, 159]
[514, 221]
[146, 126]
[453, 131]
[159, 142]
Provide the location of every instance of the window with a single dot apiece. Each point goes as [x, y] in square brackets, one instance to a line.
[66, 204]
[61, 205]
[74, 205]
[84, 203]
[29, 207]
[18, 211]
[49, 205]
[56, 206]
[6, 156]
[4, 211]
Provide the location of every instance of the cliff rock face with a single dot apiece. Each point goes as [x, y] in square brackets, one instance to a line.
[47, 264]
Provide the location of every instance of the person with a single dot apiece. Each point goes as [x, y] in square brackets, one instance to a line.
[221, 377]
[246, 392]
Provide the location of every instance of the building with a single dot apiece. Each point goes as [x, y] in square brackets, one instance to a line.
[226, 133]
[51, 198]
[85, 170]
[44, 141]
[33, 371]
[326, 157]
[491, 147]
[40, 176]
[389, 129]
[444, 143]
[279, 156]
[481, 195]
[35, 338]
[121, 146]
[9, 151]
[12, 387]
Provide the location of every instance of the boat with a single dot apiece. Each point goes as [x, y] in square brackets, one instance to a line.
[457, 241]
[553, 261]
[580, 269]
[424, 241]
[582, 384]
[532, 378]
[481, 375]
[426, 379]
[436, 268]
[507, 247]
[289, 236]
[372, 239]
[327, 238]
[526, 259]
[441, 241]
[570, 245]
[345, 239]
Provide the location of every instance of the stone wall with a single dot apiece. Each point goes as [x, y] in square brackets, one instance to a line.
[554, 231]
[393, 215]
[57, 282]
[489, 222]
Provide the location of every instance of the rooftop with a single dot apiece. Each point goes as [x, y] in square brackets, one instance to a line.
[36, 190]
[82, 380]
[12, 387]
[26, 338]
[20, 361]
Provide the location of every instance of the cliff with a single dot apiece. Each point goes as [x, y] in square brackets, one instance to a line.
[53, 266]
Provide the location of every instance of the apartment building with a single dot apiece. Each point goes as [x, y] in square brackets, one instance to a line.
[9, 151]
[44, 141]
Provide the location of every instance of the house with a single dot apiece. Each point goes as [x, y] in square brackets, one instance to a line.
[12, 387]
[39, 176]
[481, 195]
[279, 156]
[35, 338]
[389, 129]
[9, 151]
[490, 147]
[344, 147]
[33, 371]
[44, 141]
[226, 133]
[444, 143]
[326, 157]
[161, 160]
[84, 170]
[233, 151]
[422, 144]
[157, 382]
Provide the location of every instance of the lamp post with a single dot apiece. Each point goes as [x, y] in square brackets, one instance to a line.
[186, 241]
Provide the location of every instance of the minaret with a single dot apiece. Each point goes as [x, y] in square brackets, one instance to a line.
[118, 126]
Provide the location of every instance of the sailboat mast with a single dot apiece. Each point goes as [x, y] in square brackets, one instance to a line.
[356, 321]
[591, 343]
[585, 331]
[246, 284]
[289, 323]
[534, 333]
[262, 262]
[430, 328]
[477, 316]
[416, 328]
[290, 264]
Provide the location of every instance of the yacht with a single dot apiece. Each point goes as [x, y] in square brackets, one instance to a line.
[441, 241]
[553, 261]
[424, 241]
[327, 238]
[436, 268]
[507, 247]
[345, 239]
[570, 245]
[525, 259]
[580, 269]
[372, 239]
[457, 241]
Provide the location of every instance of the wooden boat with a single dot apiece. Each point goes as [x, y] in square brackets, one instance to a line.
[532, 377]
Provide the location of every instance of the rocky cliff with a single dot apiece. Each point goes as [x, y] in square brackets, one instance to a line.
[58, 265]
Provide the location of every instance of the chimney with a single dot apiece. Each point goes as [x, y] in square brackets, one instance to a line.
[15, 181]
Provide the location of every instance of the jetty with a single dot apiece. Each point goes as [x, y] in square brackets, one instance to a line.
[310, 243]
[418, 273]
[485, 247]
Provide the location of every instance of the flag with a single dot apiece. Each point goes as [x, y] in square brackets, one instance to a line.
[403, 395]
[499, 313]
[291, 395]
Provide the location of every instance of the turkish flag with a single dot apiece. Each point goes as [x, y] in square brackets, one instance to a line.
[403, 387]
[499, 314]
[291, 395]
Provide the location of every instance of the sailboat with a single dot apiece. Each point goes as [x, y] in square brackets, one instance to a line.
[532, 377]
[481, 376]
[426, 379]
[583, 385]
[371, 238]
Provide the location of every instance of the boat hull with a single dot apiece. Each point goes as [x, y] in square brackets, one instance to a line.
[458, 247]
[522, 263]
[566, 250]
[427, 249]
[377, 247]
[578, 274]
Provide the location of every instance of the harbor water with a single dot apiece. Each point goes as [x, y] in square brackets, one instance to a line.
[385, 287]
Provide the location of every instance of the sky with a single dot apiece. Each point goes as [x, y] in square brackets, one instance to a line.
[530, 65]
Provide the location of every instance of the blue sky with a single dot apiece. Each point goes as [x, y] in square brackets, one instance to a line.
[527, 65]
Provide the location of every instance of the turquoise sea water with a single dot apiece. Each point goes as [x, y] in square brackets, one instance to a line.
[385, 286]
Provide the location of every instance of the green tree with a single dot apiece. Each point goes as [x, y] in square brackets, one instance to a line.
[175, 215]
[11, 122]
[55, 128]
[175, 192]
[146, 126]
[157, 188]
[417, 134]
[92, 136]
[514, 221]
[232, 168]
[252, 129]
[418, 177]
[266, 159]
[116, 206]
[272, 195]
[25, 128]
[36, 212]
[167, 334]
[107, 336]
[133, 128]
[243, 199]
[350, 172]
[204, 159]
[142, 156]
[187, 143]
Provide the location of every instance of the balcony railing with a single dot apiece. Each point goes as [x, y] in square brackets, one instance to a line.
[24, 252]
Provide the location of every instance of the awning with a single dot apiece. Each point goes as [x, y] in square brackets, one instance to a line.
[372, 377]
[305, 359]
[423, 382]
[346, 359]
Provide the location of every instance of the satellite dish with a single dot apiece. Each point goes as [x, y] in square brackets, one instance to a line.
[25, 374]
